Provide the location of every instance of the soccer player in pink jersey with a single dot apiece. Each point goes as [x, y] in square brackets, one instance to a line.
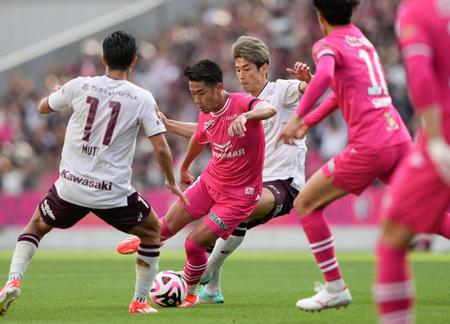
[95, 168]
[228, 189]
[420, 191]
[347, 62]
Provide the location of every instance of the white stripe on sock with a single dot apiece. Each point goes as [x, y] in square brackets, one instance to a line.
[322, 248]
[313, 245]
[325, 263]
[394, 291]
[196, 267]
[402, 316]
[331, 267]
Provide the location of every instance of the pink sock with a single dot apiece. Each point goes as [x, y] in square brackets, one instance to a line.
[444, 226]
[165, 232]
[393, 289]
[321, 244]
[195, 265]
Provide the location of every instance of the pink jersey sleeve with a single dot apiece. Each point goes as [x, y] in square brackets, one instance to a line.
[328, 105]
[200, 132]
[417, 53]
[319, 84]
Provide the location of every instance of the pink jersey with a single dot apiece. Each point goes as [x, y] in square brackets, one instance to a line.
[236, 164]
[423, 29]
[360, 87]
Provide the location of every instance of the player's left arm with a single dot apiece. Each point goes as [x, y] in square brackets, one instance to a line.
[261, 111]
[44, 107]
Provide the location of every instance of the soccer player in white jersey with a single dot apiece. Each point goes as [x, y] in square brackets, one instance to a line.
[283, 172]
[95, 168]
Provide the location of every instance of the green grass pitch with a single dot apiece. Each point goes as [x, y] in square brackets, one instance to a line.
[96, 287]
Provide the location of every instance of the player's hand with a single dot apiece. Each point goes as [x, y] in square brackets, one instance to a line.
[237, 127]
[186, 177]
[173, 187]
[301, 71]
[439, 152]
[294, 129]
[162, 117]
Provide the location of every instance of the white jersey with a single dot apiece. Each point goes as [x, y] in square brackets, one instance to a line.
[285, 161]
[100, 140]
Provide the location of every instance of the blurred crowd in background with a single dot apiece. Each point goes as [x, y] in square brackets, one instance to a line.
[31, 144]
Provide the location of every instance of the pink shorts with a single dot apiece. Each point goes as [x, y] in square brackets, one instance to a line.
[418, 198]
[222, 213]
[353, 170]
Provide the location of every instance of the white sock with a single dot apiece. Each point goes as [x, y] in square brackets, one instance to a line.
[22, 257]
[145, 274]
[335, 286]
[213, 286]
[222, 250]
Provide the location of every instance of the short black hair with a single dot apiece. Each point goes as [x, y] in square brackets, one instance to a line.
[336, 12]
[206, 71]
[119, 50]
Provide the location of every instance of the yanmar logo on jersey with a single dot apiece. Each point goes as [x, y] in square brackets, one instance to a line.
[102, 185]
[224, 151]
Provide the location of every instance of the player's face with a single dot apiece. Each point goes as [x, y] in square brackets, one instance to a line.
[251, 78]
[206, 97]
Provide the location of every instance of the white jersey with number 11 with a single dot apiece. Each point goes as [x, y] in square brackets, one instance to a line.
[100, 140]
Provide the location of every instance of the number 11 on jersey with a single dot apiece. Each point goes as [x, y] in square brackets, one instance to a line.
[93, 105]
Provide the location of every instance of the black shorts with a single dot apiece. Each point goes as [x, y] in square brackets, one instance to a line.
[284, 195]
[59, 213]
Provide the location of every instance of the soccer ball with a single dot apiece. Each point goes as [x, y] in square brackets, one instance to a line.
[168, 289]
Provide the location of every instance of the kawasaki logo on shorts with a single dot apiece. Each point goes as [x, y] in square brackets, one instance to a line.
[219, 222]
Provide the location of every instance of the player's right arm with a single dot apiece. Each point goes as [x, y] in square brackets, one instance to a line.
[417, 51]
[164, 157]
[184, 129]
[194, 149]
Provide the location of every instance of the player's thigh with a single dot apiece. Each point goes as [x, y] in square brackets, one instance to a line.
[226, 214]
[281, 202]
[264, 206]
[59, 213]
[417, 198]
[200, 201]
[37, 226]
[203, 235]
[319, 191]
[177, 217]
[149, 228]
[127, 217]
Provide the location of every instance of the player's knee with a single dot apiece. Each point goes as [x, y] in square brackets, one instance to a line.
[395, 235]
[303, 206]
[151, 233]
